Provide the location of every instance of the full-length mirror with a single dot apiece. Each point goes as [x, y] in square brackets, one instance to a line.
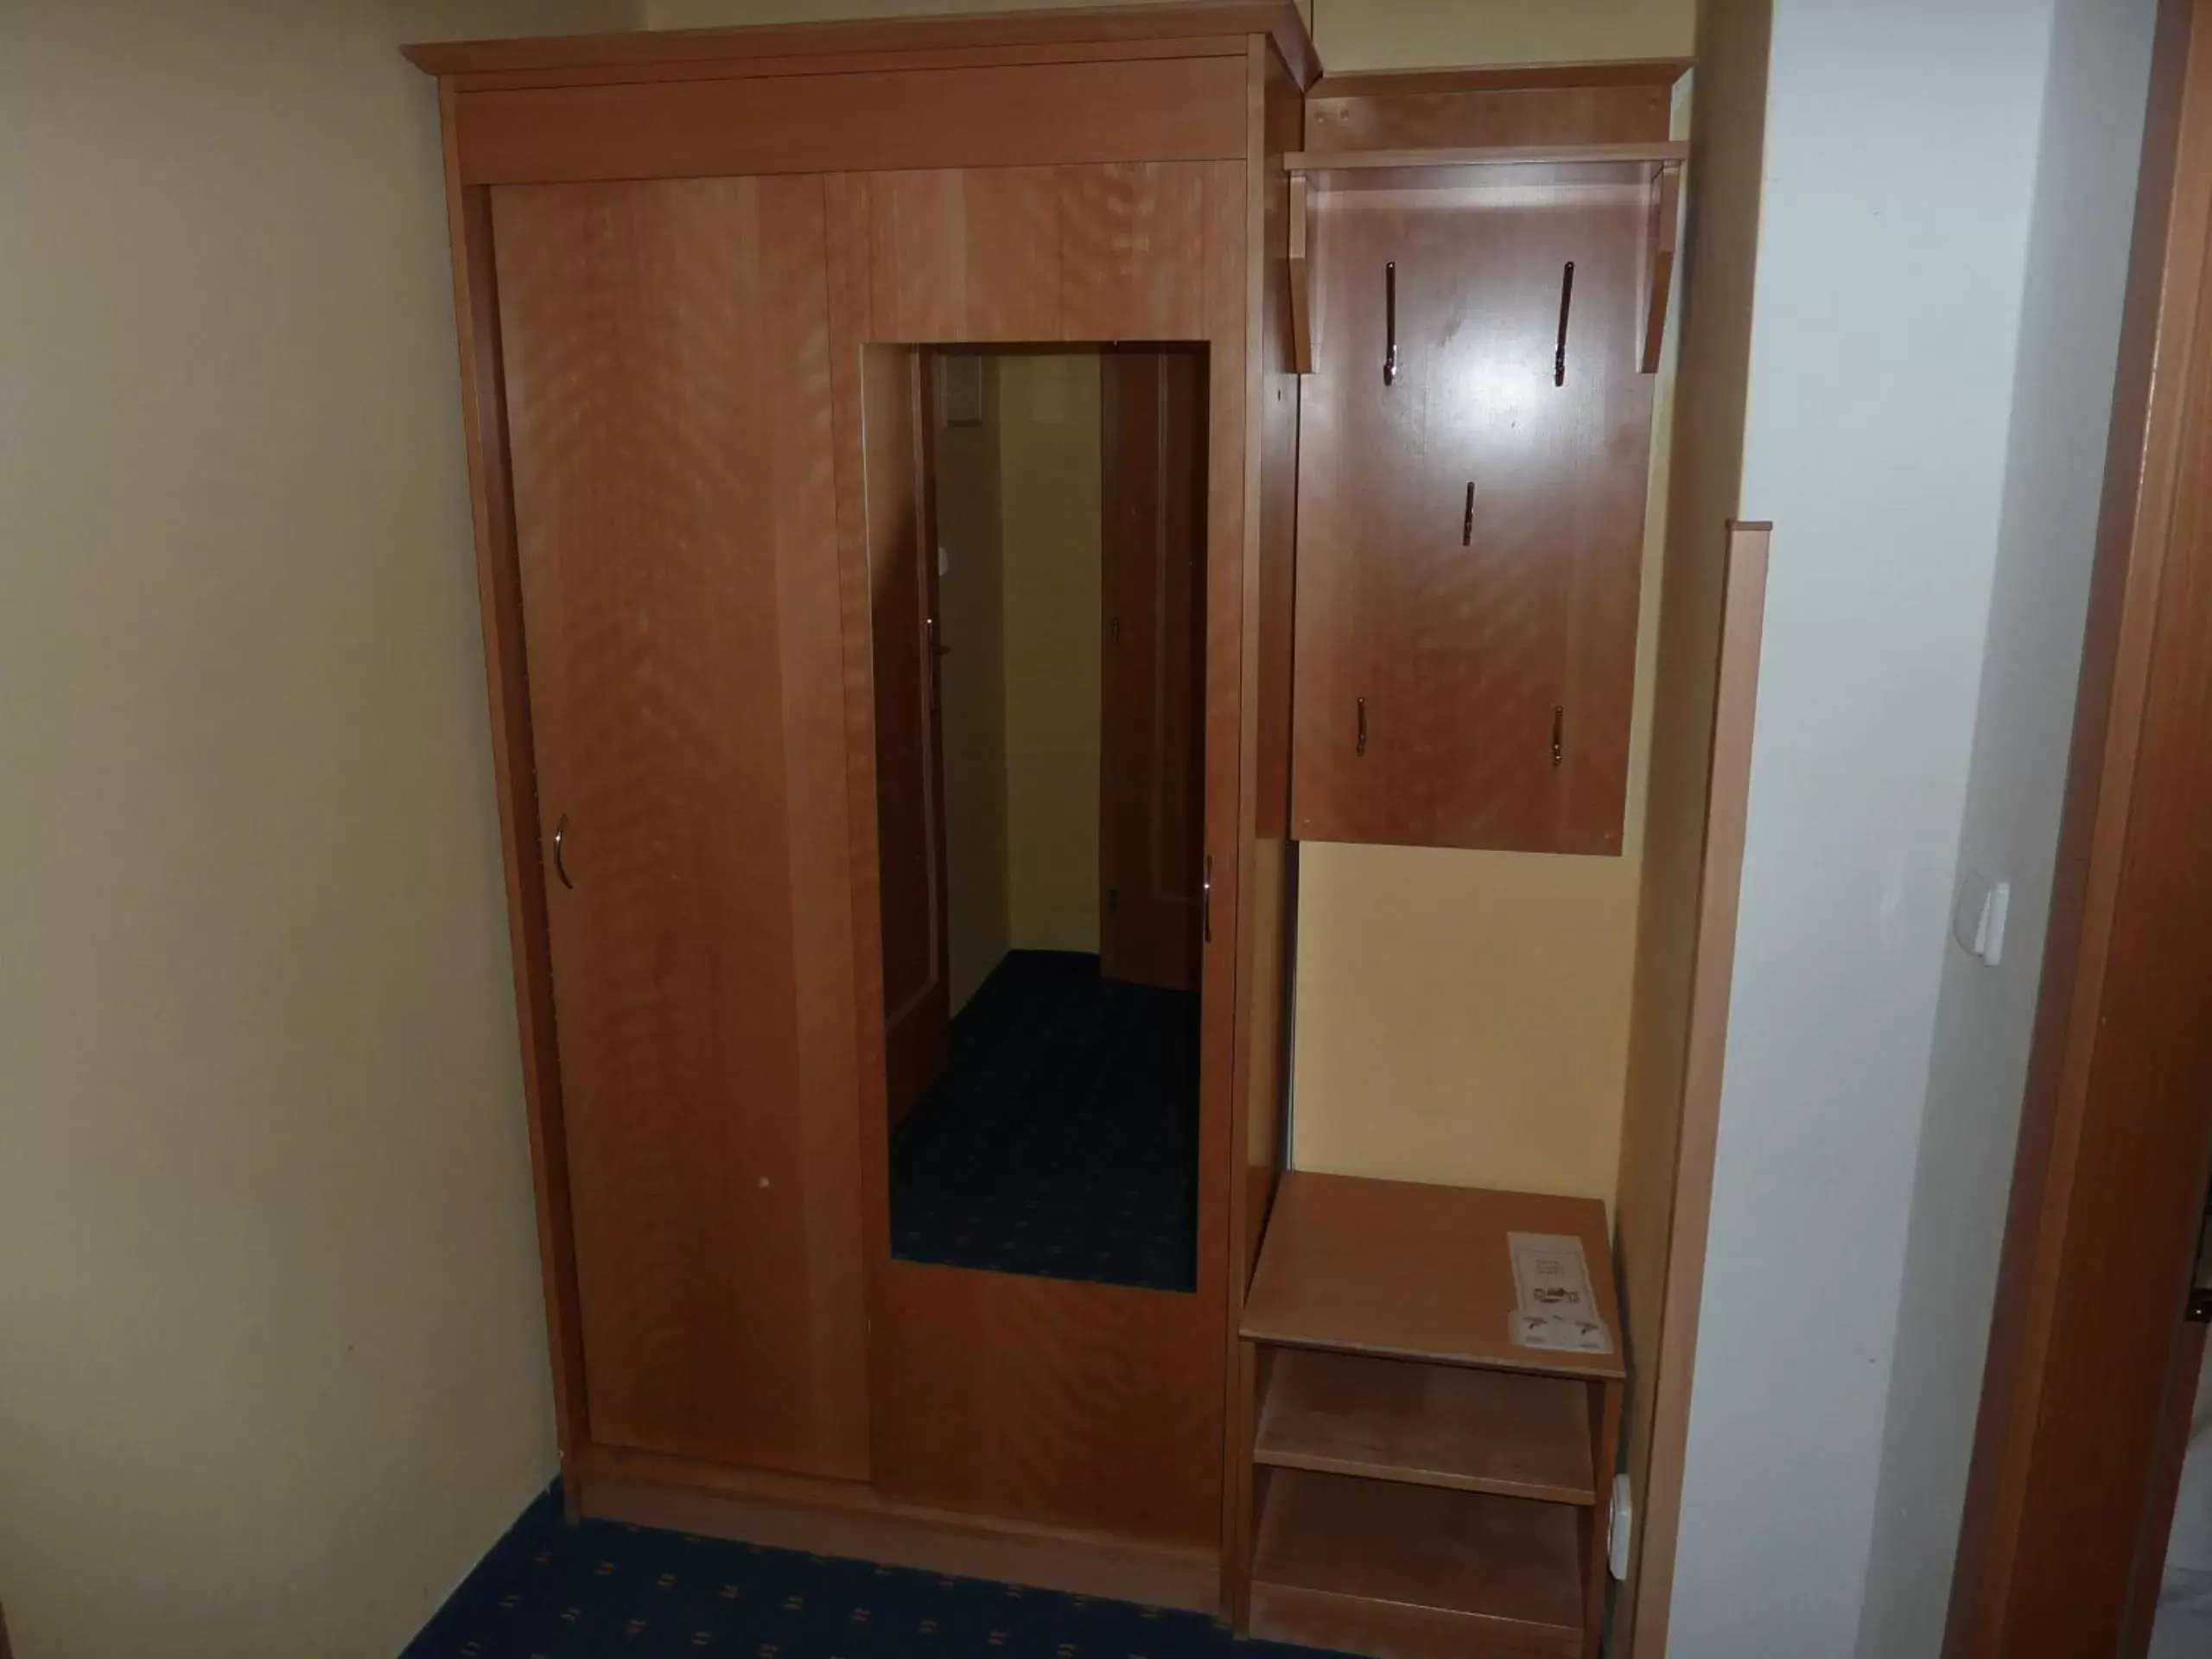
[1038, 554]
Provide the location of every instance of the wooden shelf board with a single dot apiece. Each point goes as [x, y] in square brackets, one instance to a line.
[1406, 1270]
[1411, 169]
[1407, 1572]
[1478, 1430]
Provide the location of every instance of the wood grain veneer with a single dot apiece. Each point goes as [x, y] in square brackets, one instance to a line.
[1413, 1572]
[684, 685]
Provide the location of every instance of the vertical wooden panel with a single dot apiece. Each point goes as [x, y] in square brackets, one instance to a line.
[965, 255]
[1132, 250]
[672, 540]
[917, 266]
[852, 320]
[1267, 870]
[1668, 1134]
[1012, 241]
[1473, 625]
[1710, 669]
[1033, 1399]
[484, 424]
[1347, 464]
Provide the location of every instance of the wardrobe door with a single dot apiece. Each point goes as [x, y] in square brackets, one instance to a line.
[665, 349]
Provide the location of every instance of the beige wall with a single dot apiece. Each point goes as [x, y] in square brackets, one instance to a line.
[972, 710]
[1348, 33]
[1049, 514]
[272, 1368]
[1424, 33]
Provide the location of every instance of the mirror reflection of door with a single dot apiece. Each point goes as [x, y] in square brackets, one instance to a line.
[909, 769]
[1038, 523]
[1153, 767]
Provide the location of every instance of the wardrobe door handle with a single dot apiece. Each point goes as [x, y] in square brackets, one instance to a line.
[1205, 903]
[559, 852]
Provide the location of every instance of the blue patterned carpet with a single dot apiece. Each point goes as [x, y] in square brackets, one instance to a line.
[601, 1591]
[1063, 1138]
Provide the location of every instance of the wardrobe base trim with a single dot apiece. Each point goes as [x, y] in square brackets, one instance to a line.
[852, 1520]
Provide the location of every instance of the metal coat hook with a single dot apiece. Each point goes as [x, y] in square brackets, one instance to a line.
[1566, 301]
[1390, 322]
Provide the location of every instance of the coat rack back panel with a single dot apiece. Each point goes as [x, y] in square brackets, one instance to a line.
[1471, 519]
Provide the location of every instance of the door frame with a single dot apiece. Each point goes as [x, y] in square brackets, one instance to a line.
[2116, 1125]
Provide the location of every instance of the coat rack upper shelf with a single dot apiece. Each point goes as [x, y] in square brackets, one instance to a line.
[1655, 164]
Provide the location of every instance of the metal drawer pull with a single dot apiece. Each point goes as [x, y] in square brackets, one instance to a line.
[560, 850]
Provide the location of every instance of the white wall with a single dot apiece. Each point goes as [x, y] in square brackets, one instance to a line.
[2068, 346]
[272, 1364]
[1901, 161]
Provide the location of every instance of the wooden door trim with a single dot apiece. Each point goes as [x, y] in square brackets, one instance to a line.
[498, 585]
[2118, 821]
[1673, 1346]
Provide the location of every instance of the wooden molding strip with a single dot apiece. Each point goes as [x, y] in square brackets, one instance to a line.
[1719, 886]
[1275, 18]
[1666, 227]
[850, 1519]
[1510, 78]
[1153, 110]
[1311, 162]
[1301, 282]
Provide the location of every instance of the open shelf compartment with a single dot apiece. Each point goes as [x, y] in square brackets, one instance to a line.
[1477, 1430]
[1414, 1571]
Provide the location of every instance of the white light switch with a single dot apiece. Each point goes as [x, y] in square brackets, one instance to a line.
[1979, 922]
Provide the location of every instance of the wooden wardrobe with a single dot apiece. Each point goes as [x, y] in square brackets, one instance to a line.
[700, 279]
[692, 271]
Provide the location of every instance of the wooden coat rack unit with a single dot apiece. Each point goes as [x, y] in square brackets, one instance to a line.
[694, 273]
[1470, 537]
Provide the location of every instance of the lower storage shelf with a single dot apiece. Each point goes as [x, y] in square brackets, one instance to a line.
[1503, 1431]
[1412, 1572]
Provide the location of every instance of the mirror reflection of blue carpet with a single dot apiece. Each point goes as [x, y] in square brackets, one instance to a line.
[1062, 1140]
[602, 1590]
